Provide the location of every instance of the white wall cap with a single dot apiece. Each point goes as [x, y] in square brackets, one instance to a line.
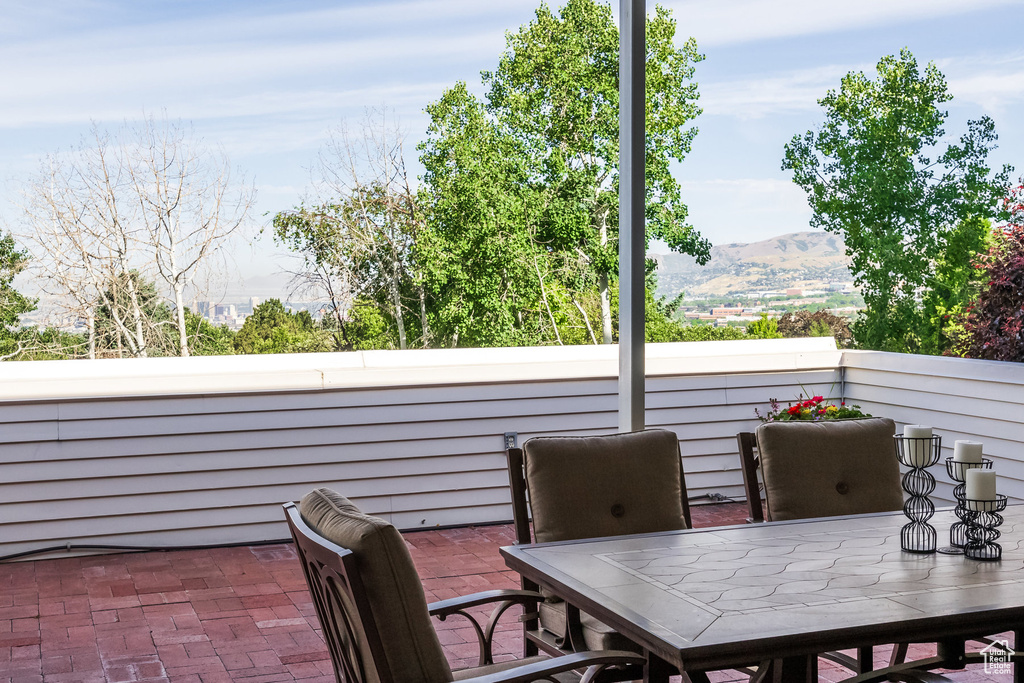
[940, 366]
[64, 379]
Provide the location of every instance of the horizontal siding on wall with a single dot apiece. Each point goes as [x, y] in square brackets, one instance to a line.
[177, 468]
[961, 399]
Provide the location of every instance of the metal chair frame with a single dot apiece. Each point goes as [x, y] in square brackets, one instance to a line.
[349, 629]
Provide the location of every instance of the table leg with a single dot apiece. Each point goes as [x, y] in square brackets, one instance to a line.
[952, 653]
[865, 659]
[657, 669]
[795, 670]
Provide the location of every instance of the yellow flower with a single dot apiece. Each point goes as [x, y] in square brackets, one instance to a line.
[806, 412]
[832, 409]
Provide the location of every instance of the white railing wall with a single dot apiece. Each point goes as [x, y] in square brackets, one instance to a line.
[961, 399]
[168, 452]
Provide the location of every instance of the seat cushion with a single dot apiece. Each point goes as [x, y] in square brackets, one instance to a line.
[596, 635]
[390, 581]
[836, 467]
[595, 486]
[497, 667]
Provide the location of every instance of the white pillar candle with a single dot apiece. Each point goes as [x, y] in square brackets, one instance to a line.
[981, 485]
[967, 451]
[919, 450]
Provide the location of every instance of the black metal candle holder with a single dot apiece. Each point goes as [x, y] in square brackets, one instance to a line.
[918, 536]
[957, 471]
[982, 531]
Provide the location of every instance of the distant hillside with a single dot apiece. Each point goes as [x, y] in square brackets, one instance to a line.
[800, 259]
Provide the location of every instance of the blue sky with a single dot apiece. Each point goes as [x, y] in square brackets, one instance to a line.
[266, 81]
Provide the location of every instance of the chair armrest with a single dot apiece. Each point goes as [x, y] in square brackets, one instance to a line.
[545, 670]
[505, 598]
[442, 608]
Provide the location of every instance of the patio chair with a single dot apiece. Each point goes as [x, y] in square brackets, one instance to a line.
[590, 487]
[374, 615]
[823, 469]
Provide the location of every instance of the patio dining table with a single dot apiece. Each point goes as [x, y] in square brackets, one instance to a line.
[710, 599]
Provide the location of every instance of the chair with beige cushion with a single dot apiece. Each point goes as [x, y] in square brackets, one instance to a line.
[823, 469]
[591, 487]
[829, 468]
[373, 611]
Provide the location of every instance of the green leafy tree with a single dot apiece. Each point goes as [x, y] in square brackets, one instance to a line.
[50, 344]
[476, 249]
[207, 339]
[879, 172]
[523, 186]
[356, 241]
[764, 328]
[272, 329]
[339, 262]
[369, 328]
[954, 284]
[13, 304]
[660, 324]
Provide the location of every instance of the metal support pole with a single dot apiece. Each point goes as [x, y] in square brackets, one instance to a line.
[632, 196]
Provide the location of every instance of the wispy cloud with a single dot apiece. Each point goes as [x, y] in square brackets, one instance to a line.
[745, 209]
[994, 82]
[729, 22]
[199, 64]
[750, 98]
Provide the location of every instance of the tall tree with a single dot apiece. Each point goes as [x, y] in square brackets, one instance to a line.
[147, 200]
[549, 134]
[356, 235]
[880, 172]
[189, 206]
[84, 237]
[476, 249]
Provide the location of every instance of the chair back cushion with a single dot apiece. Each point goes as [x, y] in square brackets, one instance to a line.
[595, 486]
[392, 586]
[828, 468]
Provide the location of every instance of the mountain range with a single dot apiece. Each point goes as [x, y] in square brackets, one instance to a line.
[804, 260]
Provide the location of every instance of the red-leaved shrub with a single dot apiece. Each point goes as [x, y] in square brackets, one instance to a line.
[994, 324]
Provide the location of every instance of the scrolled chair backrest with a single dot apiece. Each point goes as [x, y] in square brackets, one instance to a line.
[366, 593]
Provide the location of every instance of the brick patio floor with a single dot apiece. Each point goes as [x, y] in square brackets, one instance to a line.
[237, 614]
